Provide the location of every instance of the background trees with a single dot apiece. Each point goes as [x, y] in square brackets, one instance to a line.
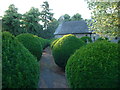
[40, 23]
[76, 17]
[105, 18]
[46, 16]
[66, 17]
[49, 32]
[11, 21]
[31, 21]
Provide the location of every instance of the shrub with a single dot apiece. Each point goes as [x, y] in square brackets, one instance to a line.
[32, 43]
[119, 41]
[19, 67]
[53, 42]
[47, 43]
[94, 66]
[86, 39]
[44, 42]
[64, 48]
[101, 39]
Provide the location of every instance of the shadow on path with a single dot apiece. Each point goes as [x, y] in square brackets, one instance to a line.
[51, 76]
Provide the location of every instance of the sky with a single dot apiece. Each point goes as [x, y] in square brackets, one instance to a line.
[60, 7]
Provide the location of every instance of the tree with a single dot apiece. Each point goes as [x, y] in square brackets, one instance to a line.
[66, 17]
[49, 32]
[46, 15]
[31, 21]
[105, 18]
[76, 17]
[11, 21]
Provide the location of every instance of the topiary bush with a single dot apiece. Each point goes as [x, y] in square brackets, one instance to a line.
[64, 48]
[53, 42]
[86, 39]
[94, 66]
[47, 43]
[20, 68]
[32, 43]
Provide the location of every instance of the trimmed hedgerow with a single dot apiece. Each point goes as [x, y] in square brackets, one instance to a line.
[53, 42]
[86, 39]
[64, 48]
[94, 66]
[32, 43]
[20, 68]
[47, 43]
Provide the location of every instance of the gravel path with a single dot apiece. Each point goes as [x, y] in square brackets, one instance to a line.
[51, 76]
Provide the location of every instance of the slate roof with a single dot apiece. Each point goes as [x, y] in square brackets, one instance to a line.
[72, 27]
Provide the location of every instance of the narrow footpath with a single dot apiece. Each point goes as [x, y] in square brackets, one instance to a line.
[51, 76]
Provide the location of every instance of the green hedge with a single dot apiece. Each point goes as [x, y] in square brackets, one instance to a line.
[86, 39]
[53, 42]
[94, 66]
[119, 41]
[44, 42]
[101, 39]
[20, 68]
[64, 48]
[33, 43]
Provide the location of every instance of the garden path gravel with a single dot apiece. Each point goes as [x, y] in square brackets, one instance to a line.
[51, 76]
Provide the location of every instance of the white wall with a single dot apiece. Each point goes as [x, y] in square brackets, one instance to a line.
[93, 36]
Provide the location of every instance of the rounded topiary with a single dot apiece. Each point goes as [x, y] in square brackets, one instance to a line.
[64, 48]
[53, 42]
[32, 43]
[86, 39]
[20, 68]
[94, 66]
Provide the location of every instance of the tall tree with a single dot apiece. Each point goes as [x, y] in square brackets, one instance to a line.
[11, 20]
[105, 18]
[46, 15]
[76, 17]
[49, 32]
[31, 21]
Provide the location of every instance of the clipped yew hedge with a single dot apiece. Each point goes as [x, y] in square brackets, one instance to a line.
[33, 43]
[94, 66]
[86, 39]
[64, 48]
[53, 42]
[44, 42]
[20, 68]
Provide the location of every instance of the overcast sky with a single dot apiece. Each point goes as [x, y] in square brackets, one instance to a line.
[60, 7]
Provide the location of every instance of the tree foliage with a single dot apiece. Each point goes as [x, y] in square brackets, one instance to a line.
[31, 21]
[66, 17]
[105, 18]
[49, 32]
[46, 15]
[11, 20]
[76, 17]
